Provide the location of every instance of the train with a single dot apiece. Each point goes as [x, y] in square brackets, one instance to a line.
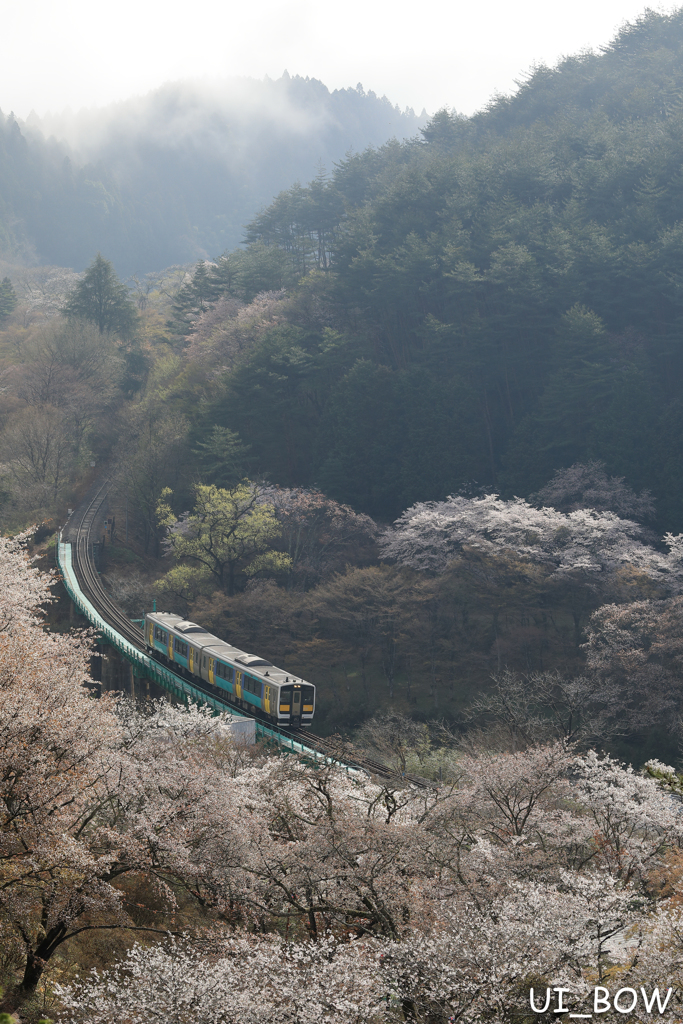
[246, 680]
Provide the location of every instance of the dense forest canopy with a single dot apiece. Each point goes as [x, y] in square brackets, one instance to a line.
[174, 175]
[494, 300]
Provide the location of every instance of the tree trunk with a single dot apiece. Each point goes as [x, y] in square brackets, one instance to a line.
[29, 983]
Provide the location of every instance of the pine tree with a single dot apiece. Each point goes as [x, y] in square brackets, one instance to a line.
[193, 299]
[103, 300]
[8, 298]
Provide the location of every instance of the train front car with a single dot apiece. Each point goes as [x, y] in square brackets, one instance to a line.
[296, 703]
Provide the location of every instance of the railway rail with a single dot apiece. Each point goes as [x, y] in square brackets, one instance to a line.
[85, 588]
[88, 576]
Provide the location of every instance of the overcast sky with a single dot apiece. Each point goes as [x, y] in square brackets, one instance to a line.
[429, 54]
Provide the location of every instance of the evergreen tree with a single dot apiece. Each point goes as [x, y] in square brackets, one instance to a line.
[103, 300]
[194, 298]
[222, 456]
[8, 298]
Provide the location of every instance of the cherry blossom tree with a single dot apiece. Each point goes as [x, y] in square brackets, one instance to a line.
[582, 543]
[635, 818]
[86, 796]
[541, 706]
[54, 863]
[241, 980]
[227, 329]
[584, 557]
[320, 535]
[23, 588]
[637, 647]
[321, 893]
[323, 849]
[587, 485]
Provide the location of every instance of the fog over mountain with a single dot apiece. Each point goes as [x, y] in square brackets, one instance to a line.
[175, 175]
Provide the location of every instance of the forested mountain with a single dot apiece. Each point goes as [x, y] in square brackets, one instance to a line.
[492, 307]
[485, 305]
[174, 175]
[477, 334]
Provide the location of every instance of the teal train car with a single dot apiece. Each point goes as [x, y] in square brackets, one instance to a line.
[246, 680]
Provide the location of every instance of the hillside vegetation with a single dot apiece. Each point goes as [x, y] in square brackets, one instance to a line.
[491, 308]
[488, 303]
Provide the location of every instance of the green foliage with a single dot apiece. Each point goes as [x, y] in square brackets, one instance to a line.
[222, 457]
[101, 299]
[227, 535]
[504, 296]
[193, 299]
[302, 223]
[667, 777]
[8, 299]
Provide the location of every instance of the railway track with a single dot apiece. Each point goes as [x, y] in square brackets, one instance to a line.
[81, 529]
[339, 751]
[88, 576]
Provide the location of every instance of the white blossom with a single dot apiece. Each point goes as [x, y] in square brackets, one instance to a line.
[583, 543]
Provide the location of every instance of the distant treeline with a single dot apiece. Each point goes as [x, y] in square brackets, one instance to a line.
[175, 175]
[483, 306]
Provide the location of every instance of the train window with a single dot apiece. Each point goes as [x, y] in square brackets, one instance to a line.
[180, 647]
[307, 695]
[204, 661]
[160, 635]
[285, 698]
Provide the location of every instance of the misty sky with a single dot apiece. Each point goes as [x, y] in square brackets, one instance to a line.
[430, 54]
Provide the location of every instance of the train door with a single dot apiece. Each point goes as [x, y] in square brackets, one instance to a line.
[295, 718]
[190, 661]
[211, 676]
[238, 684]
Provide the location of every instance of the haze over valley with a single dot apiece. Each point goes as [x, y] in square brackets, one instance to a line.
[174, 176]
